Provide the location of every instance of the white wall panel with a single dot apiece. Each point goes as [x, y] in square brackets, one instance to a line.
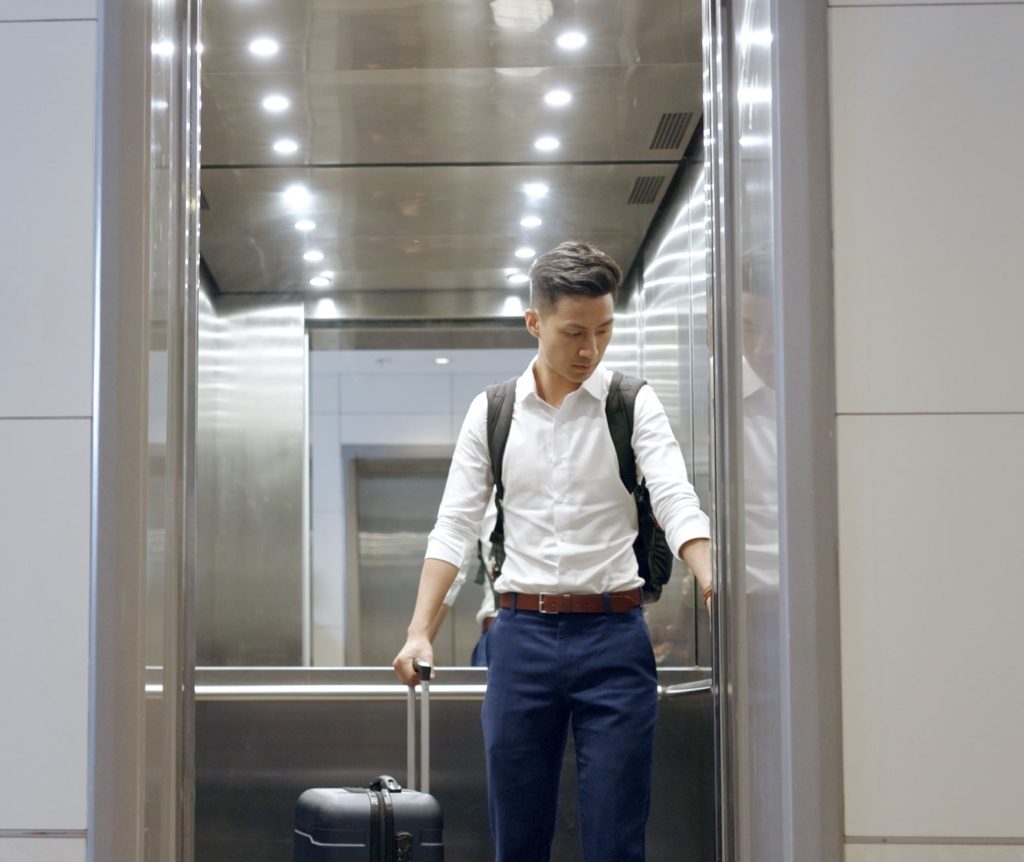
[323, 392]
[396, 393]
[47, 169]
[928, 193]
[325, 440]
[932, 853]
[329, 570]
[44, 622]
[48, 10]
[42, 849]
[932, 592]
[396, 429]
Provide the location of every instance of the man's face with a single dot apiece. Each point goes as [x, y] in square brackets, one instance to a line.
[573, 335]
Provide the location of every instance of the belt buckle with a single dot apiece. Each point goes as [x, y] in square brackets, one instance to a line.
[540, 602]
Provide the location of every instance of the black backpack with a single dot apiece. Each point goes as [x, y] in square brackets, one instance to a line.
[653, 555]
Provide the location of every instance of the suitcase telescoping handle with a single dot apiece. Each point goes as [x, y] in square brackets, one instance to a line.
[424, 670]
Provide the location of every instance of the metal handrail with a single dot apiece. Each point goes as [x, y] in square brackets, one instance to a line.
[385, 692]
[685, 688]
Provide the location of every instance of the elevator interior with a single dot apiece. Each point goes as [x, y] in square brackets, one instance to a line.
[376, 179]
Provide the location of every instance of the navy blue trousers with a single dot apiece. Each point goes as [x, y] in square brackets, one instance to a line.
[546, 673]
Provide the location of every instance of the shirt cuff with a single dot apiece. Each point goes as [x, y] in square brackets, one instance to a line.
[439, 550]
[694, 527]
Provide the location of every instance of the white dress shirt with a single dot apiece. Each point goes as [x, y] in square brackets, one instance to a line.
[569, 521]
[471, 566]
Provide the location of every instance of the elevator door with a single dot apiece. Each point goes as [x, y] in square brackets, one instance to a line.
[396, 504]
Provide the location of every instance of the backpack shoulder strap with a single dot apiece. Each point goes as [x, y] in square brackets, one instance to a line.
[501, 398]
[619, 409]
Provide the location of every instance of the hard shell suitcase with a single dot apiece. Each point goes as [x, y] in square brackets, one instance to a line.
[382, 823]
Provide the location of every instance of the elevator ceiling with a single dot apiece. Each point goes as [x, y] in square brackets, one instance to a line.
[414, 126]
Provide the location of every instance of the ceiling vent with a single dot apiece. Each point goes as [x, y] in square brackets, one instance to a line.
[669, 135]
[645, 190]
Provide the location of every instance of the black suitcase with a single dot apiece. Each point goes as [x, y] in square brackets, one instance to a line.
[382, 823]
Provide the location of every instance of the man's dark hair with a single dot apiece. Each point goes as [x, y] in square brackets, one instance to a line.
[572, 269]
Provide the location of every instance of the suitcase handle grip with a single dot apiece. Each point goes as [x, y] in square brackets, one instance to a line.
[425, 670]
[386, 782]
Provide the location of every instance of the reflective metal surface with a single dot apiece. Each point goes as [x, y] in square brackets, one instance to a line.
[674, 359]
[256, 756]
[140, 757]
[396, 503]
[414, 126]
[661, 335]
[251, 455]
[411, 228]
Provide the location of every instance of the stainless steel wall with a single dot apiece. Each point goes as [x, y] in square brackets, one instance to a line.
[774, 459]
[330, 728]
[661, 334]
[140, 766]
[251, 489]
[396, 506]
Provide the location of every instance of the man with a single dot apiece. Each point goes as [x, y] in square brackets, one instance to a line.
[569, 531]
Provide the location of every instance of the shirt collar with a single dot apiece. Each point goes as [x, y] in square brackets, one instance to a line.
[596, 385]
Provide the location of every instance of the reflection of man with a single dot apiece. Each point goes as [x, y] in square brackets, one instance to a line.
[760, 459]
[761, 528]
[479, 563]
[570, 645]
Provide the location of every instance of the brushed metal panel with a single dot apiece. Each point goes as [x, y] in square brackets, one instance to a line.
[427, 116]
[330, 35]
[255, 757]
[379, 228]
[250, 457]
[700, 364]
[674, 272]
[396, 503]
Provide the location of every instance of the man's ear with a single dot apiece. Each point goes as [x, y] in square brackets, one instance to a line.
[532, 322]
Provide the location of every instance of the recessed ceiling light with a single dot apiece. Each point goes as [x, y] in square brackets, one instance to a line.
[536, 190]
[263, 47]
[513, 306]
[296, 197]
[441, 360]
[572, 40]
[319, 281]
[525, 252]
[313, 256]
[305, 224]
[285, 147]
[558, 98]
[276, 103]
[546, 144]
[530, 221]
[518, 278]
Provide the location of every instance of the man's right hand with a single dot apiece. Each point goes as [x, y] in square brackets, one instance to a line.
[415, 648]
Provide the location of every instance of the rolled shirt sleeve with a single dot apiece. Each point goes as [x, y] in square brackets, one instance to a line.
[466, 492]
[660, 461]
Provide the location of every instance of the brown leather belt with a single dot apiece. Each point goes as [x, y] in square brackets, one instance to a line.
[567, 603]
